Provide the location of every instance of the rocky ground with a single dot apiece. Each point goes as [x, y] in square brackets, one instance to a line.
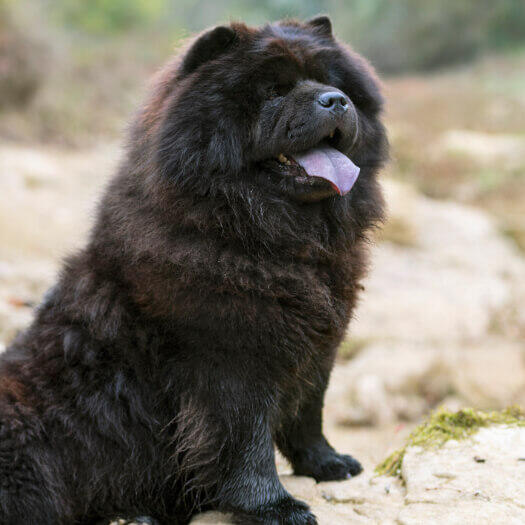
[439, 323]
[479, 481]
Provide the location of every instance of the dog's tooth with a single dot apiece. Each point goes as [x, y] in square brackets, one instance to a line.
[282, 158]
[332, 134]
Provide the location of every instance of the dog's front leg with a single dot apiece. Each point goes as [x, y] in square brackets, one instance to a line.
[227, 448]
[300, 438]
[250, 486]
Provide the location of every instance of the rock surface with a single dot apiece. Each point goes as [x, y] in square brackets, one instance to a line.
[360, 500]
[480, 480]
[447, 286]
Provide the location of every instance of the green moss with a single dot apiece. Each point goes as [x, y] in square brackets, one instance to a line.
[443, 425]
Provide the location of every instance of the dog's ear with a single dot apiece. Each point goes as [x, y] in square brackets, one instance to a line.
[208, 46]
[321, 24]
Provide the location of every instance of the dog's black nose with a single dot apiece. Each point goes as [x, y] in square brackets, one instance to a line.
[334, 101]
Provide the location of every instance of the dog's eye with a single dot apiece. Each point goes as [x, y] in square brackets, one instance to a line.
[279, 90]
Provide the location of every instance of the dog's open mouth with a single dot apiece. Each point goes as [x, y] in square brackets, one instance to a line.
[326, 162]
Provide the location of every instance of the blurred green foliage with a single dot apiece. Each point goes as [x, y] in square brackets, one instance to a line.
[396, 35]
[107, 16]
[425, 34]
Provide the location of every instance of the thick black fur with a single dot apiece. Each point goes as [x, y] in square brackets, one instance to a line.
[199, 325]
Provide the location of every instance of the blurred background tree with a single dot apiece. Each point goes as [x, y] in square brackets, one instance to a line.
[106, 16]
[22, 60]
[397, 36]
[423, 34]
[400, 36]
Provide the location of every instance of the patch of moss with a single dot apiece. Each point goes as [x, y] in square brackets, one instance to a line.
[443, 425]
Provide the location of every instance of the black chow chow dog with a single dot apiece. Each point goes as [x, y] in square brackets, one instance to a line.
[199, 325]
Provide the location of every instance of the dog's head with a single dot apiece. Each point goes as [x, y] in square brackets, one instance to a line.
[285, 107]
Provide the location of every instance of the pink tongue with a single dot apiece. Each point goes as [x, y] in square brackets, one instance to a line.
[330, 164]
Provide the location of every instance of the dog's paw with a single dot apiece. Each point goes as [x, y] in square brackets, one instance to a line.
[288, 511]
[336, 467]
[326, 464]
